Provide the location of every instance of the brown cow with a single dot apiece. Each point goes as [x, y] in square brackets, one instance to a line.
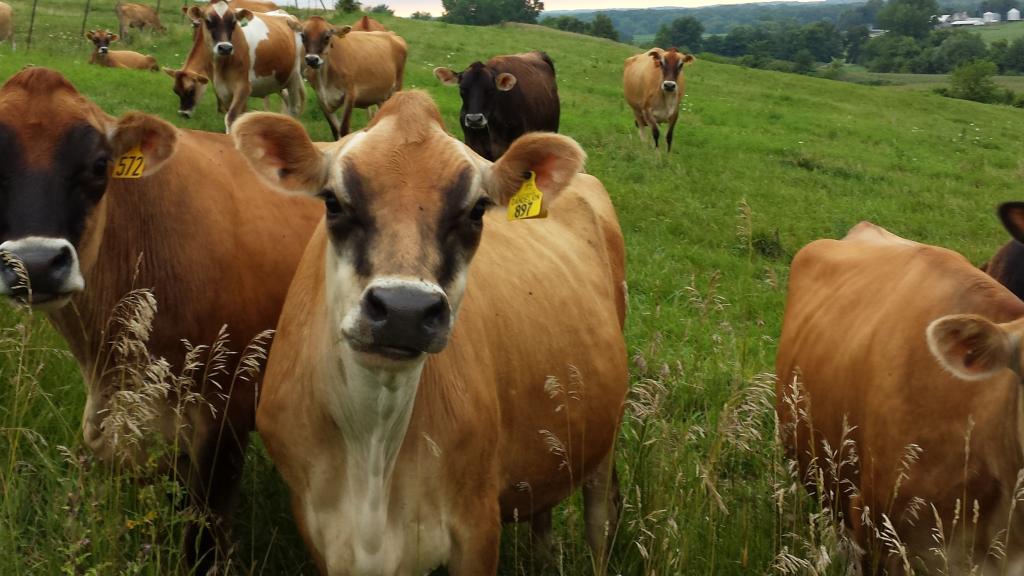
[191, 80]
[254, 5]
[367, 24]
[199, 229]
[254, 55]
[879, 336]
[504, 99]
[407, 436]
[130, 15]
[655, 84]
[350, 69]
[102, 55]
[7, 24]
[1007, 266]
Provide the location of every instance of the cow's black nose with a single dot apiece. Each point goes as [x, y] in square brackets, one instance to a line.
[49, 268]
[407, 317]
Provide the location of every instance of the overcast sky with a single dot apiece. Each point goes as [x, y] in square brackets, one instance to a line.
[406, 7]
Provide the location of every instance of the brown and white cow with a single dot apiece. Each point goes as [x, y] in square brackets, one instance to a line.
[367, 24]
[254, 5]
[655, 85]
[254, 55]
[418, 391]
[349, 69]
[890, 346]
[7, 24]
[131, 15]
[504, 99]
[102, 55]
[212, 242]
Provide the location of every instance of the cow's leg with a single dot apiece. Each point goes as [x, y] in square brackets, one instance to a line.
[671, 129]
[542, 542]
[655, 133]
[329, 114]
[239, 101]
[212, 485]
[476, 541]
[346, 113]
[639, 122]
[602, 503]
[296, 95]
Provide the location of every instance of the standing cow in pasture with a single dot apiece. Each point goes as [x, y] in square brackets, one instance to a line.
[655, 85]
[1007, 266]
[189, 221]
[417, 381]
[900, 396]
[254, 55]
[130, 15]
[191, 80]
[349, 69]
[102, 55]
[504, 99]
[7, 24]
[367, 24]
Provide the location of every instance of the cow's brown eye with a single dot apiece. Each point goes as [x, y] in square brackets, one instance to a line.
[334, 208]
[481, 206]
[99, 166]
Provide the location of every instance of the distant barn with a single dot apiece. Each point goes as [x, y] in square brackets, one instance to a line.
[1013, 15]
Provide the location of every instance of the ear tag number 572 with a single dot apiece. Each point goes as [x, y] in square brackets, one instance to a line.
[526, 203]
[131, 164]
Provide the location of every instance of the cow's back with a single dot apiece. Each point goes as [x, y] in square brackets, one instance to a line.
[277, 50]
[534, 99]
[641, 79]
[367, 64]
[853, 339]
[6, 22]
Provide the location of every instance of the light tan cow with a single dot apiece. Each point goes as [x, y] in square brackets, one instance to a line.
[254, 55]
[914, 350]
[419, 391]
[131, 15]
[367, 24]
[349, 69]
[102, 55]
[198, 228]
[254, 5]
[654, 85]
[7, 24]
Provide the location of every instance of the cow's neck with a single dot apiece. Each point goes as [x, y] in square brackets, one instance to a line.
[200, 57]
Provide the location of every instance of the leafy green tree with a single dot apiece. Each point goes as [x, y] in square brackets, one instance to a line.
[686, 33]
[998, 6]
[821, 39]
[855, 39]
[567, 23]
[960, 48]
[973, 81]
[487, 12]
[997, 53]
[602, 27]
[347, 6]
[1014, 60]
[907, 17]
[418, 15]
[890, 53]
[803, 62]
[863, 15]
[382, 9]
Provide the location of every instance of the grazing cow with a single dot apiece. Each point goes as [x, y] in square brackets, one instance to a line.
[1007, 266]
[191, 80]
[895, 355]
[413, 400]
[199, 229]
[655, 85]
[7, 24]
[139, 16]
[350, 69]
[367, 24]
[102, 55]
[504, 99]
[254, 55]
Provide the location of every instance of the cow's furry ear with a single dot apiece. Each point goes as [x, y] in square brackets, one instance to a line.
[1012, 216]
[972, 347]
[447, 76]
[89, 35]
[656, 57]
[505, 81]
[114, 37]
[195, 13]
[280, 151]
[156, 139]
[687, 58]
[294, 25]
[341, 31]
[554, 158]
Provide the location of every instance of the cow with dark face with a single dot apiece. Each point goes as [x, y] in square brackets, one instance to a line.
[75, 239]
[1007, 266]
[655, 86]
[504, 99]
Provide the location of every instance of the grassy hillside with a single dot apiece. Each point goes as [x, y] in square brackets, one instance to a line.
[764, 163]
[1004, 30]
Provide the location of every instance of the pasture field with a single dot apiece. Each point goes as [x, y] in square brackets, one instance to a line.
[907, 81]
[1003, 30]
[764, 162]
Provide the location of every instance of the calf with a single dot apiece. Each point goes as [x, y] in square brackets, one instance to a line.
[1007, 266]
[139, 16]
[7, 24]
[212, 242]
[412, 402]
[655, 85]
[367, 24]
[102, 55]
[350, 69]
[254, 54]
[504, 99]
[890, 346]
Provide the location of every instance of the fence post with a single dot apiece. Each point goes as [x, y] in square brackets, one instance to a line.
[32, 23]
[85, 16]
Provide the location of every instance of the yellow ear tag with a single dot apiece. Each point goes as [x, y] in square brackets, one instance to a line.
[526, 203]
[131, 164]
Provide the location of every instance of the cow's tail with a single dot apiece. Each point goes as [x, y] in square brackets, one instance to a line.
[547, 59]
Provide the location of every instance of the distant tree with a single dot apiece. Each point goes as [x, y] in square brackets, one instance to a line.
[1014, 59]
[602, 27]
[973, 81]
[567, 23]
[890, 53]
[421, 15]
[487, 12]
[907, 17]
[958, 49]
[382, 9]
[997, 53]
[863, 15]
[686, 33]
[347, 6]
[854, 40]
[821, 39]
[997, 6]
[803, 62]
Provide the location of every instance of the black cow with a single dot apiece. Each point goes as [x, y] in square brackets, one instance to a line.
[1007, 266]
[505, 98]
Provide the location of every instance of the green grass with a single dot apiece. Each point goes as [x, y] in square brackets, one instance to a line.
[1003, 30]
[906, 81]
[763, 163]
